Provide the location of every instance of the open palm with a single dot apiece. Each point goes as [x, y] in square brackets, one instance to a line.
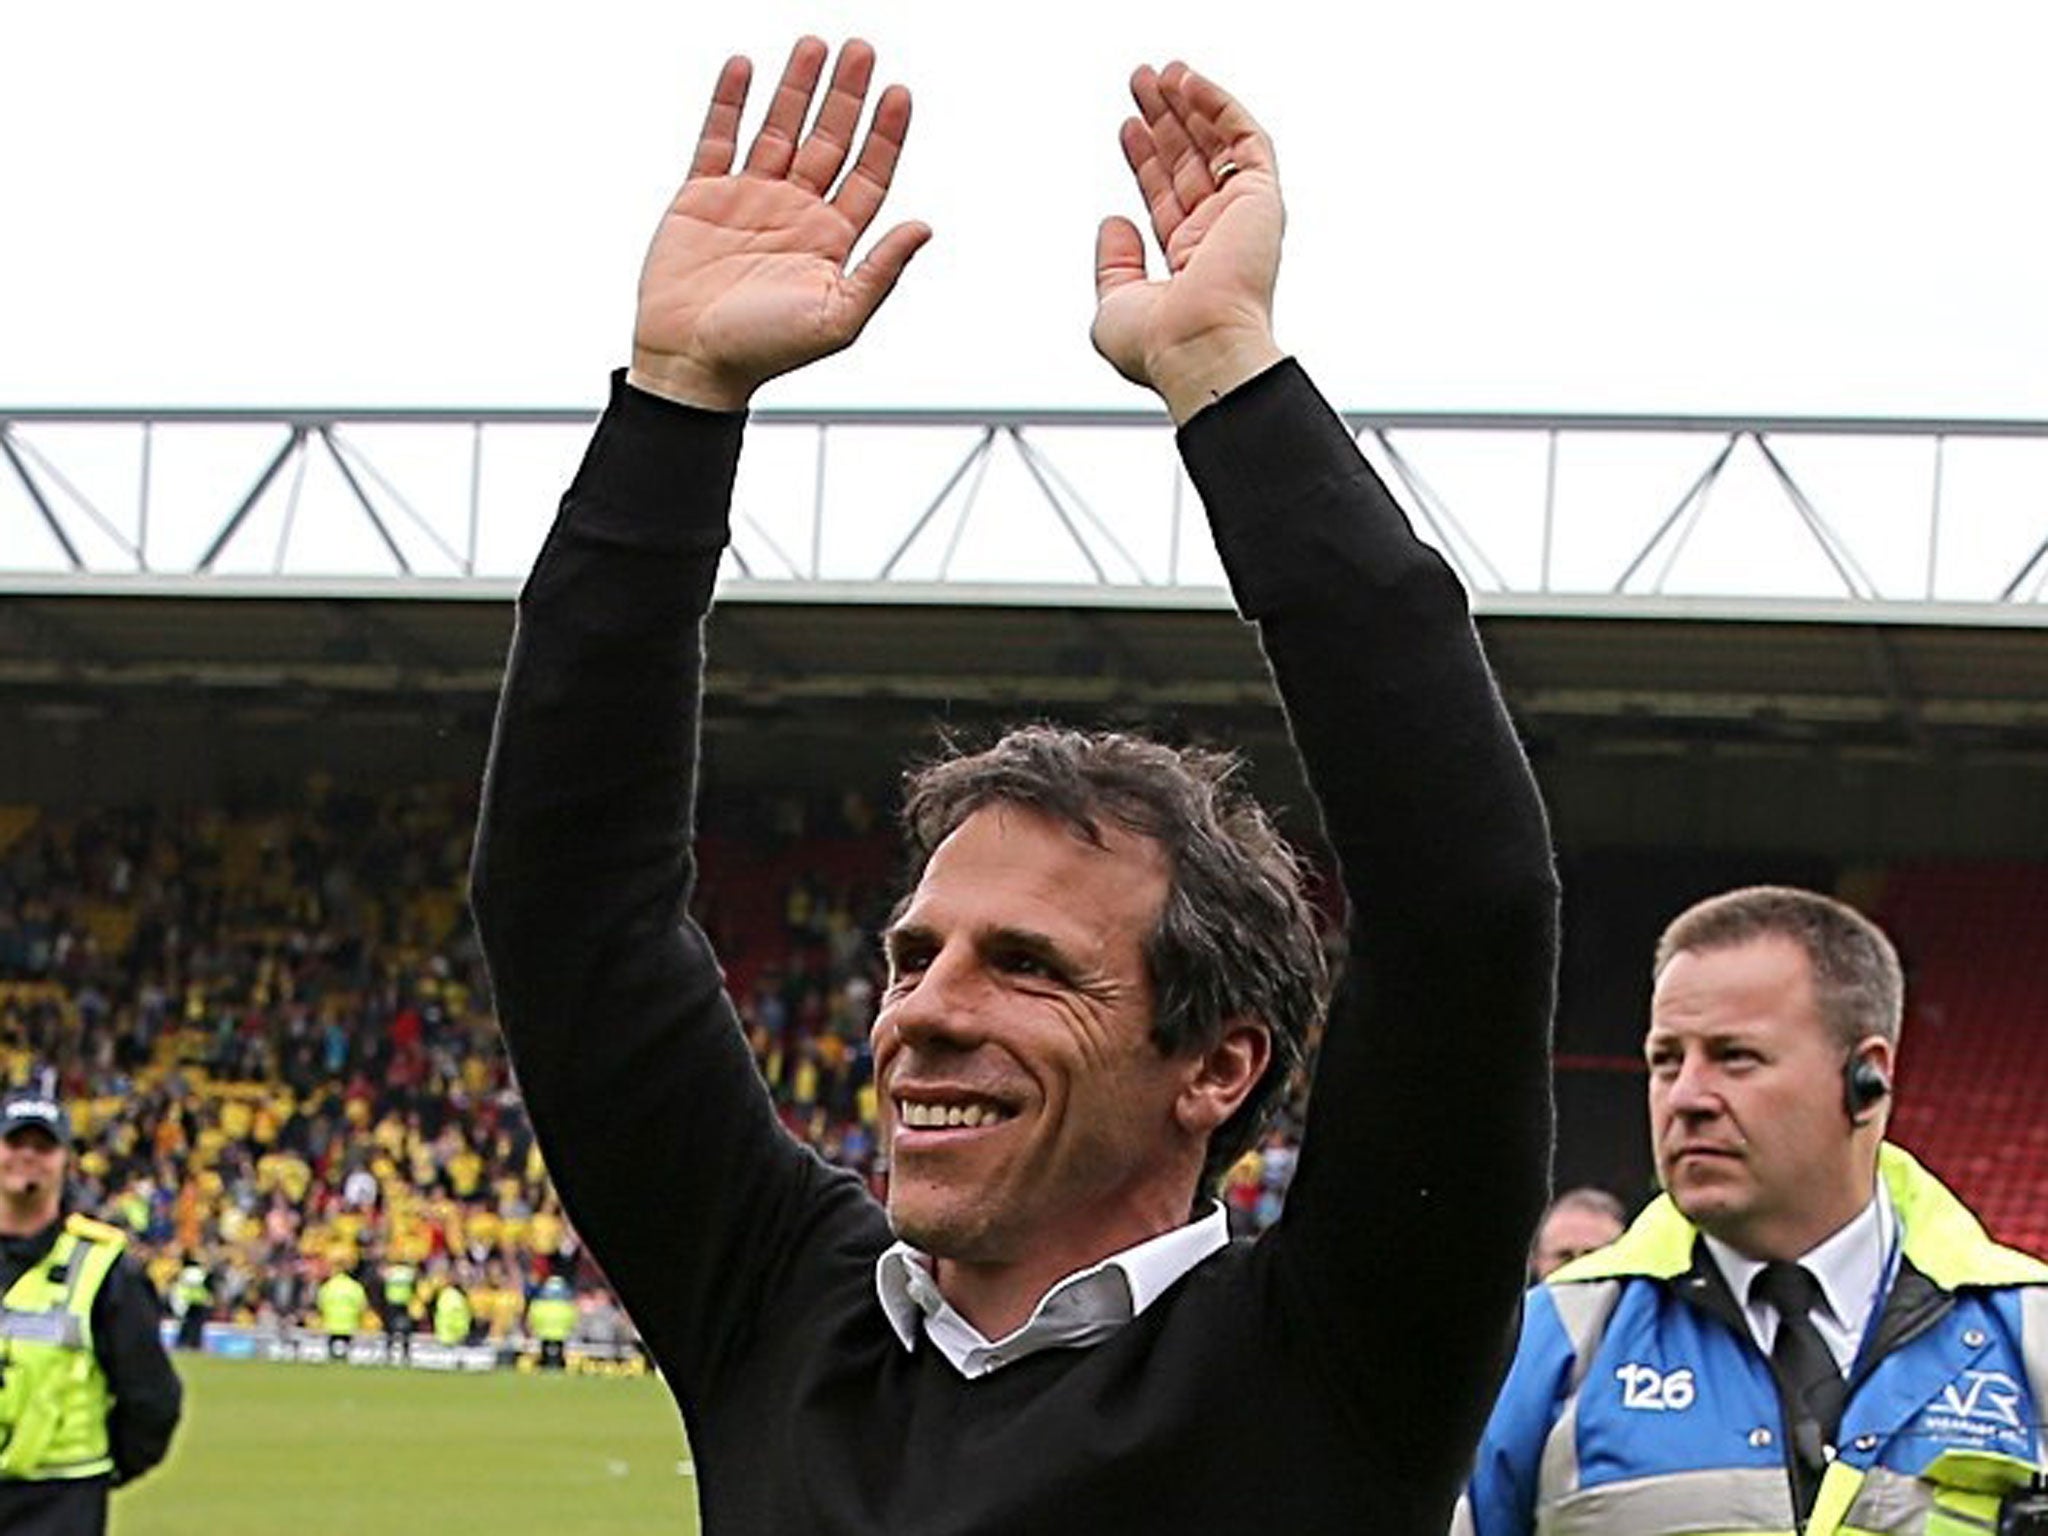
[1207, 174]
[746, 277]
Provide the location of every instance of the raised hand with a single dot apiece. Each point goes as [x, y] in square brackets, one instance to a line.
[746, 277]
[1207, 174]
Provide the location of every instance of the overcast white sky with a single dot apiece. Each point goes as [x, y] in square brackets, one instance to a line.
[1806, 207]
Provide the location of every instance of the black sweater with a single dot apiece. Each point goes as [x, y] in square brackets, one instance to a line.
[1332, 1375]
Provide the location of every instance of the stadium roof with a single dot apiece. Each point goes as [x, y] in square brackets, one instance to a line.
[1836, 592]
[1899, 679]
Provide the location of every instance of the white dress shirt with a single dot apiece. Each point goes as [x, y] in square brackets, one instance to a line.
[1854, 1270]
[1077, 1311]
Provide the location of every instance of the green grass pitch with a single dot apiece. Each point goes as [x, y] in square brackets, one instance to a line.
[324, 1450]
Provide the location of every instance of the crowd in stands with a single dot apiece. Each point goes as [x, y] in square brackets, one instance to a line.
[274, 1030]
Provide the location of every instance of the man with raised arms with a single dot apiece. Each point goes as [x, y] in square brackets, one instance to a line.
[1105, 967]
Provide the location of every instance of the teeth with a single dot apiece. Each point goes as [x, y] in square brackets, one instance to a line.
[947, 1116]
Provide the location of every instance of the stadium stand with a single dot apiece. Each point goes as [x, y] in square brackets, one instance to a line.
[275, 1028]
[273, 1032]
[1971, 1101]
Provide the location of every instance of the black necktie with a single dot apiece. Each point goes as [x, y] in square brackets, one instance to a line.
[1809, 1381]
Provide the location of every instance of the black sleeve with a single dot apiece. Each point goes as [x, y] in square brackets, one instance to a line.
[649, 1112]
[1426, 1158]
[146, 1392]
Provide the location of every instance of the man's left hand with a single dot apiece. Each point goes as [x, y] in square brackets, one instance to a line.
[1206, 171]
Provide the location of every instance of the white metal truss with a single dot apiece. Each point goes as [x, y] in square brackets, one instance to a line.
[1073, 505]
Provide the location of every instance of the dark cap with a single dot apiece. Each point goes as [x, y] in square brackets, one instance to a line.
[34, 1111]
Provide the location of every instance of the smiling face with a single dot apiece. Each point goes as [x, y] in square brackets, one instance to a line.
[31, 1180]
[1031, 1120]
[1746, 1115]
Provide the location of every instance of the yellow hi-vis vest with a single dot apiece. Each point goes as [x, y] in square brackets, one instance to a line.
[551, 1319]
[399, 1283]
[341, 1301]
[191, 1290]
[53, 1394]
[451, 1315]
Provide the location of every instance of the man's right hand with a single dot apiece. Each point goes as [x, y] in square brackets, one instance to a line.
[746, 277]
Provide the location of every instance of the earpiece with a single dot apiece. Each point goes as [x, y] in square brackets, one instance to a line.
[1864, 1085]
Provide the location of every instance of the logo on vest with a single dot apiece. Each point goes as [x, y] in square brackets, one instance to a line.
[1989, 1395]
[1979, 1407]
[1647, 1389]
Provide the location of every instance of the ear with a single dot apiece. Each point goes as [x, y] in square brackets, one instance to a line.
[1882, 1054]
[1220, 1078]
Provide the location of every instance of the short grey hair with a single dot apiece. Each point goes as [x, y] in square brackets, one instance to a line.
[1857, 982]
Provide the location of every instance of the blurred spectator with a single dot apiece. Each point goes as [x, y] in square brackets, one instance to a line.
[1576, 1222]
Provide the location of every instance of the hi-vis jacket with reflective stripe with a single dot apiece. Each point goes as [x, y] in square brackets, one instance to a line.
[53, 1393]
[1638, 1401]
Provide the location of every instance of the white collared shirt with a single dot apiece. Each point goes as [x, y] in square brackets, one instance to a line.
[1851, 1267]
[1081, 1309]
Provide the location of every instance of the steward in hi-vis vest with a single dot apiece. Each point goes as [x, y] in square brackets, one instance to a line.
[1807, 1332]
[1639, 1403]
[551, 1319]
[341, 1302]
[88, 1399]
[192, 1303]
[452, 1315]
[401, 1292]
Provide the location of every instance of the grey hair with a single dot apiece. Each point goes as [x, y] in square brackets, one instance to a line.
[1236, 938]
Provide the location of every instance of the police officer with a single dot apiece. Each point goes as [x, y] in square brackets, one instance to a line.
[88, 1399]
[1806, 1331]
[551, 1320]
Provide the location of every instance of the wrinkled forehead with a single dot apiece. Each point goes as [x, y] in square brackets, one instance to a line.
[1004, 851]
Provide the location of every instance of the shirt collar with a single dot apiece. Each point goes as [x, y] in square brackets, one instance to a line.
[1078, 1310]
[1850, 1266]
